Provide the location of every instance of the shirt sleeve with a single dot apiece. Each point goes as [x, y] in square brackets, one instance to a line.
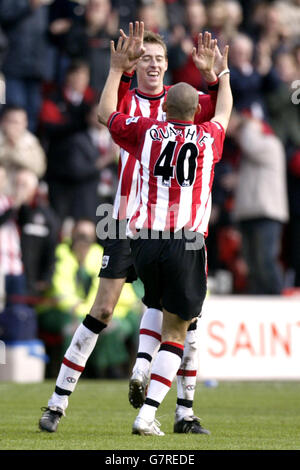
[127, 131]
[215, 129]
[124, 87]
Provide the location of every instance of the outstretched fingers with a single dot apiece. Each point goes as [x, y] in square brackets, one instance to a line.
[120, 44]
[112, 48]
[207, 40]
[123, 43]
[200, 41]
[139, 30]
[135, 33]
[133, 43]
[130, 34]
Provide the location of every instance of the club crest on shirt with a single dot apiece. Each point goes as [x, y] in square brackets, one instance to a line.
[105, 261]
[132, 119]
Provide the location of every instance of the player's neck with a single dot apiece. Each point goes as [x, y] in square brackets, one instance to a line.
[150, 91]
[182, 118]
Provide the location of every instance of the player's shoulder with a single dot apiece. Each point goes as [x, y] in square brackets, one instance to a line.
[133, 122]
[212, 127]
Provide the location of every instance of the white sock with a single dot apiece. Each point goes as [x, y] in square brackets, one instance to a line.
[187, 376]
[80, 349]
[149, 338]
[163, 372]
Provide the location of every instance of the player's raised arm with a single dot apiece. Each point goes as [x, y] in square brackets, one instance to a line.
[123, 57]
[224, 99]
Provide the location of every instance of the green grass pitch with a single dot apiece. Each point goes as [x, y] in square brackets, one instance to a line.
[240, 416]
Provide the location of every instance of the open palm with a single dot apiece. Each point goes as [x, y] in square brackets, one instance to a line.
[221, 60]
[204, 54]
[136, 37]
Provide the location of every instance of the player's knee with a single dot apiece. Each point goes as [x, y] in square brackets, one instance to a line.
[102, 313]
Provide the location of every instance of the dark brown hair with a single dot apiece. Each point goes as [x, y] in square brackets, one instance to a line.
[154, 38]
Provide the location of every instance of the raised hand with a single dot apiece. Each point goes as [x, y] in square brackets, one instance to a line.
[221, 60]
[128, 49]
[136, 37]
[204, 54]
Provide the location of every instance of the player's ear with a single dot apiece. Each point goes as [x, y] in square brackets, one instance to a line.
[198, 109]
[166, 65]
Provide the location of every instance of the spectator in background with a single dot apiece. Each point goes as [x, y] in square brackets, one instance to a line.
[234, 20]
[283, 114]
[261, 203]
[63, 114]
[89, 39]
[174, 12]
[126, 11]
[19, 148]
[90, 162]
[73, 286]
[272, 32]
[285, 119]
[2, 275]
[38, 226]
[37, 232]
[216, 17]
[249, 81]
[62, 13]
[224, 19]
[106, 156]
[296, 53]
[181, 42]
[73, 290]
[279, 25]
[25, 24]
[290, 11]
[154, 15]
[11, 266]
[3, 46]
[294, 202]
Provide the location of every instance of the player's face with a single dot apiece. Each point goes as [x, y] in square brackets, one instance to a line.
[151, 69]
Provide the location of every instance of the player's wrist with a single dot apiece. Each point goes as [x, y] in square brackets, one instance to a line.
[223, 73]
[209, 76]
[116, 70]
[213, 83]
[213, 86]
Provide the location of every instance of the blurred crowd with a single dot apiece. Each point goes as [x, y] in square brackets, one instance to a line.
[57, 164]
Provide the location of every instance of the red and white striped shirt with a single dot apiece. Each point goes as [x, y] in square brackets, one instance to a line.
[135, 103]
[176, 172]
[10, 244]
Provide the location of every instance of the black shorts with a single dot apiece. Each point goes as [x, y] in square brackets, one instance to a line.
[174, 277]
[117, 261]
